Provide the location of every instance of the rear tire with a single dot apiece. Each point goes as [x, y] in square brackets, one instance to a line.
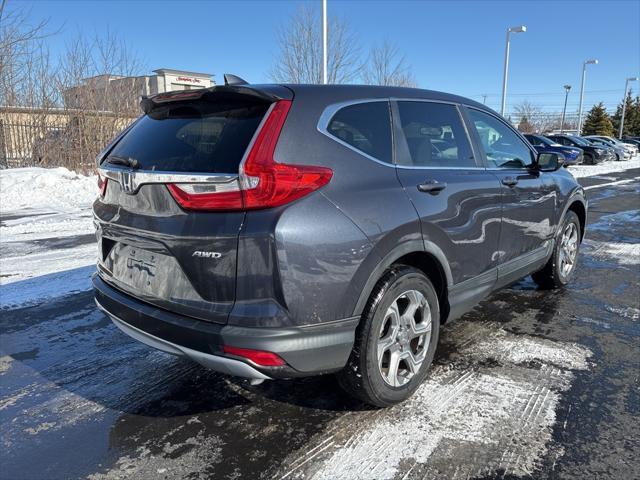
[395, 340]
[561, 267]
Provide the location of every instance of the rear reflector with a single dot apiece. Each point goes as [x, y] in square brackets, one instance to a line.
[264, 183]
[102, 185]
[259, 357]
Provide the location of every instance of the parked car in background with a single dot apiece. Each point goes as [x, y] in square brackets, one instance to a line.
[313, 231]
[633, 141]
[592, 154]
[572, 155]
[630, 147]
[620, 152]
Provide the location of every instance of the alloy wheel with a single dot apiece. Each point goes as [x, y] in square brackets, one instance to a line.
[568, 249]
[404, 338]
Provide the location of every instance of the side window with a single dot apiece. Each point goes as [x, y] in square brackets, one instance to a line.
[366, 127]
[435, 135]
[503, 147]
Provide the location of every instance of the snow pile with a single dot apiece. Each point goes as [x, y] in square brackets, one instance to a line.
[46, 232]
[579, 171]
[54, 189]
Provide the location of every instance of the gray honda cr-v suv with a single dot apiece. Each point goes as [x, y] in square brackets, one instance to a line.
[278, 231]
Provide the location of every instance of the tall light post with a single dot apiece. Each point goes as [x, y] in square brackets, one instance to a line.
[518, 29]
[564, 110]
[324, 42]
[624, 103]
[584, 73]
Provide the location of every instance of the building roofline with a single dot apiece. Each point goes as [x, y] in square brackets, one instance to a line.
[182, 72]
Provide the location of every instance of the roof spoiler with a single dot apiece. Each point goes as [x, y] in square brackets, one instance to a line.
[266, 93]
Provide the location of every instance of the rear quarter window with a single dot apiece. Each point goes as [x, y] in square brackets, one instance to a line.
[365, 127]
[203, 137]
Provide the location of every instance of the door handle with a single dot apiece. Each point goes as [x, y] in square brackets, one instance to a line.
[510, 181]
[432, 186]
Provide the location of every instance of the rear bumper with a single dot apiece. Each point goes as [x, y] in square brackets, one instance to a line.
[307, 350]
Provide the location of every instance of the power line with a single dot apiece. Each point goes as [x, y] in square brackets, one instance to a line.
[617, 91]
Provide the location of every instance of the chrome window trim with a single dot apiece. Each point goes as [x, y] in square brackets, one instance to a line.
[464, 126]
[331, 110]
[409, 167]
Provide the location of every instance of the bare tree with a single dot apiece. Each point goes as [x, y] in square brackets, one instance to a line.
[386, 66]
[300, 52]
[24, 59]
[98, 81]
[527, 109]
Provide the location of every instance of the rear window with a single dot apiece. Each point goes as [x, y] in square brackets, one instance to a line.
[193, 137]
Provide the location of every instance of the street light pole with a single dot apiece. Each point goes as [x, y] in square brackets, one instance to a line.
[564, 110]
[324, 42]
[584, 73]
[624, 103]
[518, 29]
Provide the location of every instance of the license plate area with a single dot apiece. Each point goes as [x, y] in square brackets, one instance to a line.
[149, 274]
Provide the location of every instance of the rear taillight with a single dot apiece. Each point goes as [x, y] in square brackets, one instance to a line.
[208, 196]
[259, 357]
[102, 185]
[264, 183]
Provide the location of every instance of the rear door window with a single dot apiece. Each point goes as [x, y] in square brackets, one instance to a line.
[434, 135]
[365, 127]
[206, 137]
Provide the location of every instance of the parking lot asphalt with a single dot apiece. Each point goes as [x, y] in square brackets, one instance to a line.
[531, 383]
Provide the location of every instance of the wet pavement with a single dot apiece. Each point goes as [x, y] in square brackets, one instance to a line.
[531, 383]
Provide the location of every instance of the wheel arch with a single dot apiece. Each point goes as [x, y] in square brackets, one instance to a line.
[427, 258]
[578, 207]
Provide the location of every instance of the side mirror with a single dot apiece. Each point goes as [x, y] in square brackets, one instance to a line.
[549, 162]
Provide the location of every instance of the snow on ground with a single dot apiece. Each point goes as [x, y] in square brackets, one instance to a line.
[497, 398]
[579, 171]
[46, 228]
[619, 252]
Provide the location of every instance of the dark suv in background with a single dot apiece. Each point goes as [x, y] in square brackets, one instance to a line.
[593, 154]
[278, 231]
[572, 155]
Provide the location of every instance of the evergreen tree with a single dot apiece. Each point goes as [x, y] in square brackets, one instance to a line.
[597, 122]
[631, 119]
[525, 126]
[634, 119]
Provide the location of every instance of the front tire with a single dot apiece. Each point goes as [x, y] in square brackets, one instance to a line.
[561, 267]
[395, 340]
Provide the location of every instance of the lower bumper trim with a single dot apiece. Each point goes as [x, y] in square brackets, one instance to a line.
[214, 362]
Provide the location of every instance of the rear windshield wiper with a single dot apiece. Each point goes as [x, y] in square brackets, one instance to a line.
[126, 161]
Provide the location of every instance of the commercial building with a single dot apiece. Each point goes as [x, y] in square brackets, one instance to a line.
[118, 93]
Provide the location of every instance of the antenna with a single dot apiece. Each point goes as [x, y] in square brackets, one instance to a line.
[230, 79]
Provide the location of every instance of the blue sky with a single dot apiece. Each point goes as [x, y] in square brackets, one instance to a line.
[454, 46]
